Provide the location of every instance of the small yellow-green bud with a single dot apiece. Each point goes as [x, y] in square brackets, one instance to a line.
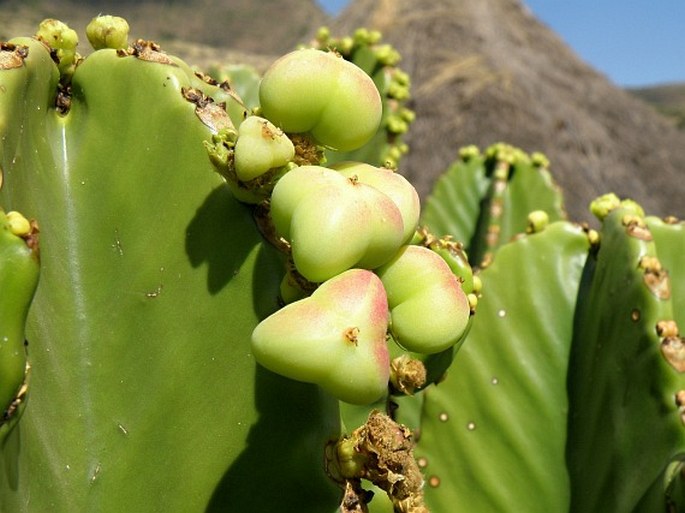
[473, 301]
[323, 35]
[502, 152]
[539, 159]
[398, 91]
[361, 35]
[633, 206]
[387, 55]
[537, 221]
[108, 32]
[58, 36]
[593, 237]
[350, 460]
[346, 44]
[18, 224]
[468, 152]
[520, 156]
[396, 125]
[395, 154]
[401, 77]
[600, 207]
[375, 36]
[477, 284]
[407, 114]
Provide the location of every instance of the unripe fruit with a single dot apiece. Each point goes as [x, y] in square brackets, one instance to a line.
[107, 32]
[537, 221]
[335, 338]
[61, 39]
[339, 227]
[323, 94]
[260, 147]
[601, 206]
[393, 185]
[335, 224]
[429, 310]
[292, 188]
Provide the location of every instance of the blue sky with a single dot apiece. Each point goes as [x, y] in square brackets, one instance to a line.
[633, 42]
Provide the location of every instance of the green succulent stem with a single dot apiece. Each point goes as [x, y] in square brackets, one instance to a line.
[153, 278]
[19, 270]
[625, 365]
[485, 199]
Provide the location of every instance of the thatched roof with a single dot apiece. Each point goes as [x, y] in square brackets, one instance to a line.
[488, 70]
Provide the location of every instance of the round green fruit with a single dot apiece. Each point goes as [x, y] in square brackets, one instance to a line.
[335, 338]
[323, 94]
[107, 32]
[292, 188]
[334, 223]
[429, 310]
[260, 147]
[393, 185]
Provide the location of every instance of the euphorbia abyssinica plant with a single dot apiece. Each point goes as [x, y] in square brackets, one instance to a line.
[339, 304]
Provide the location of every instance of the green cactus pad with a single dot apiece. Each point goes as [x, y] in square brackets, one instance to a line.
[242, 79]
[669, 237]
[19, 270]
[625, 375]
[484, 199]
[144, 394]
[493, 432]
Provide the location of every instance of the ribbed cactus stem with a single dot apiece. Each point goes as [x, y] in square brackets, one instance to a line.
[19, 269]
[491, 223]
[485, 199]
[627, 363]
[153, 279]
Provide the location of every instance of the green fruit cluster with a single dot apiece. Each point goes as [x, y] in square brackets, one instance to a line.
[353, 280]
